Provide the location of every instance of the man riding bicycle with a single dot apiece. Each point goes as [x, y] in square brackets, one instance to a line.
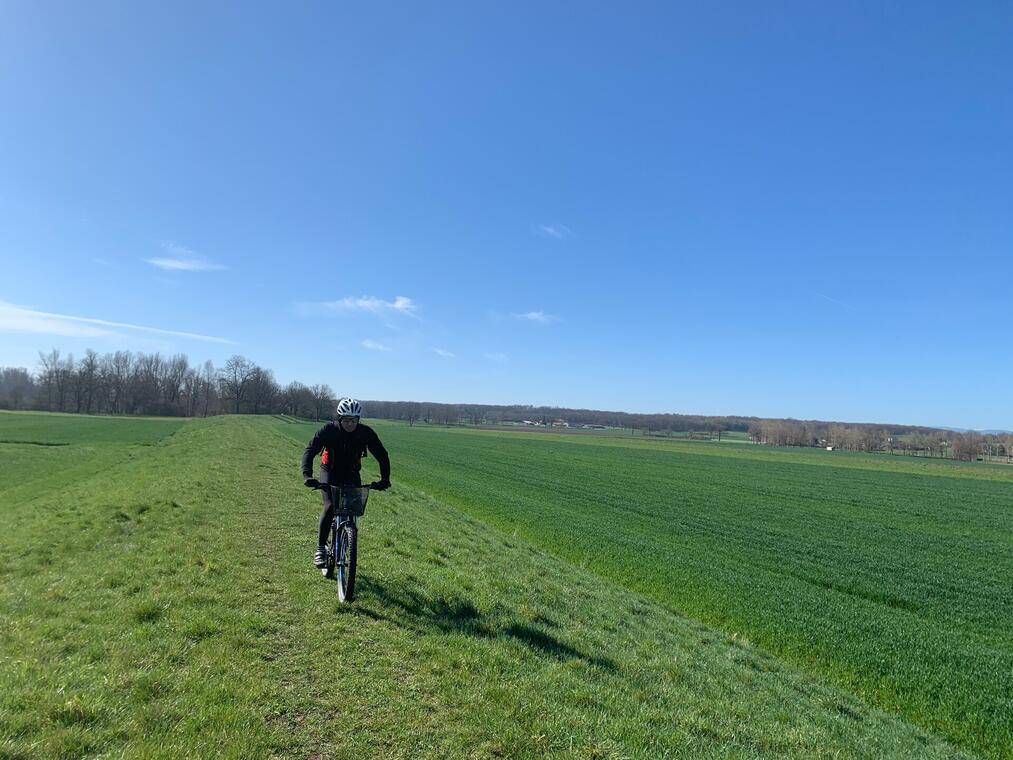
[343, 444]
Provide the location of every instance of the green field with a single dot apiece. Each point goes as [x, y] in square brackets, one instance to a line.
[521, 596]
[891, 578]
[64, 429]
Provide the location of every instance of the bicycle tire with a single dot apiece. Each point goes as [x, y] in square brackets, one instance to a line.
[346, 557]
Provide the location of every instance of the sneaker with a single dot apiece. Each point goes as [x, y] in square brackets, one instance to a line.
[320, 558]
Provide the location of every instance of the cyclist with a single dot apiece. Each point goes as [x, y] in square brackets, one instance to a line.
[343, 444]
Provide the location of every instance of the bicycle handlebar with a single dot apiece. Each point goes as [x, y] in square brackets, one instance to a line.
[325, 486]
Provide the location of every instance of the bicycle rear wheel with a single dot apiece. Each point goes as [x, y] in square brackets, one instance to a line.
[345, 566]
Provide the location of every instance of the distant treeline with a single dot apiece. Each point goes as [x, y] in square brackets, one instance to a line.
[907, 439]
[150, 384]
[888, 438]
[485, 414]
[123, 382]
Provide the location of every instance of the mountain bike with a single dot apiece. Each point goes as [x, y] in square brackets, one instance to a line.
[349, 505]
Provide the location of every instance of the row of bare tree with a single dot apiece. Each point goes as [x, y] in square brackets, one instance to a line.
[918, 441]
[860, 437]
[137, 383]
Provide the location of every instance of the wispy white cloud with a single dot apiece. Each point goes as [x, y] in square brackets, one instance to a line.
[539, 317]
[186, 265]
[374, 345]
[557, 231]
[496, 356]
[834, 300]
[181, 259]
[15, 318]
[371, 304]
[444, 352]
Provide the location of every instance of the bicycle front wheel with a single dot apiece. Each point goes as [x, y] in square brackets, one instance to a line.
[345, 569]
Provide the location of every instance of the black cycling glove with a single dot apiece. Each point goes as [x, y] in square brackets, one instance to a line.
[311, 483]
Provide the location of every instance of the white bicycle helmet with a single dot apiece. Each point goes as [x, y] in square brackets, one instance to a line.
[349, 407]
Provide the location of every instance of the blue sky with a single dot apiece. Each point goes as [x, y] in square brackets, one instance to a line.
[780, 209]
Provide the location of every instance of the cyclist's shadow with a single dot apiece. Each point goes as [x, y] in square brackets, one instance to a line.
[422, 613]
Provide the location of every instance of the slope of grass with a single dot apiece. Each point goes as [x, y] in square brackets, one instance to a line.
[52, 450]
[894, 583]
[164, 606]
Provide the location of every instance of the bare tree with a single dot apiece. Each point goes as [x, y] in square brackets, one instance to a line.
[56, 375]
[190, 391]
[967, 446]
[147, 380]
[16, 387]
[118, 370]
[207, 386]
[298, 400]
[173, 375]
[263, 390]
[64, 380]
[412, 413]
[48, 368]
[235, 380]
[87, 380]
[323, 400]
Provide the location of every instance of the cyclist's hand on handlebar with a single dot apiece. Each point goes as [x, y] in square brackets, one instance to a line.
[311, 483]
[381, 485]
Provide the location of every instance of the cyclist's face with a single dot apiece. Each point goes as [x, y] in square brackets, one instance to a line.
[348, 424]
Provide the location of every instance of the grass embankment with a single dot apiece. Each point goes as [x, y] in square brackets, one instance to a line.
[891, 578]
[161, 604]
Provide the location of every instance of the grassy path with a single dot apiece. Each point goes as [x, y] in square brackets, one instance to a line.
[163, 606]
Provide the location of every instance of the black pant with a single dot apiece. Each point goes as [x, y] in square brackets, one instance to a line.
[327, 516]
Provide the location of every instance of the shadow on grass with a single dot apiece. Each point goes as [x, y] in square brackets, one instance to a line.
[34, 443]
[423, 614]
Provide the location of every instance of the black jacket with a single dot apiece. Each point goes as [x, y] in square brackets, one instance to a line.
[343, 453]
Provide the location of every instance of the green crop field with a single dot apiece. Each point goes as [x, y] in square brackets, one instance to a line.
[891, 578]
[520, 596]
[53, 429]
